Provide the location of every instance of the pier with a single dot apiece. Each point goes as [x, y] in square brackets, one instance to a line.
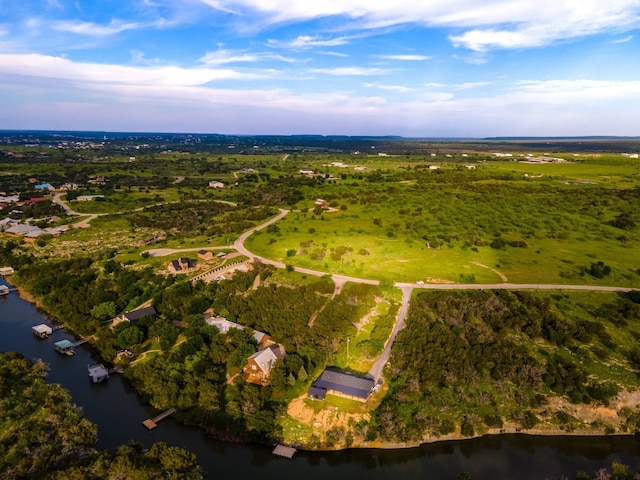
[152, 423]
[283, 451]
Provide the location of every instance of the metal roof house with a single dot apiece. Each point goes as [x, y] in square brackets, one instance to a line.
[344, 384]
[135, 315]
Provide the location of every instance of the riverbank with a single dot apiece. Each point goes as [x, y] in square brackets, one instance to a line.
[579, 420]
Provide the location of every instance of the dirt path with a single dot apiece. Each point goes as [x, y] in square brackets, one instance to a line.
[497, 272]
[378, 366]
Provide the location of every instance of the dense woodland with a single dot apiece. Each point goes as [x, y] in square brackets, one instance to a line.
[476, 360]
[44, 436]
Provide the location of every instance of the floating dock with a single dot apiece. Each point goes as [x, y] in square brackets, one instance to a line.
[4, 290]
[283, 451]
[98, 373]
[152, 423]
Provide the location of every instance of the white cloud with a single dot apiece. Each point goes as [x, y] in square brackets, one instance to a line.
[112, 28]
[491, 24]
[223, 56]
[309, 41]
[626, 39]
[334, 54]
[94, 29]
[61, 68]
[408, 58]
[391, 88]
[349, 71]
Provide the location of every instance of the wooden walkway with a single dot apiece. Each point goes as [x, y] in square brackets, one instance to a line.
[152, 423]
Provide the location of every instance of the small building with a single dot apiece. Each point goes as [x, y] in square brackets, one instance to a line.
[98, 373]
[135, 315]
[259, 365]
[21, 229]
[321, 203]
[6, 271]
[64, 347]
[205, 254]
[42, 330]
[284, 452]
[216, 184]
[343, 384]
[88, 198]
[181, 265]
[43, 187]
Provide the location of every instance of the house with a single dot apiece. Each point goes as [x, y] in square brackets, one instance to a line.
[216, 184]
[135, 315]
[321, 203]
[8, 223]
[181, 265]
[205, 255]
[223, 325]
[343, 384]
[21, 229]
[33, 236]
[43, 187]
[259, 365]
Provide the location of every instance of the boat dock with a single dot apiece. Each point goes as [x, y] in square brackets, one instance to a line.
[6, 271]
[283, 451]
[65, 347]
[98, 373]
[152, 423]
[42, 331]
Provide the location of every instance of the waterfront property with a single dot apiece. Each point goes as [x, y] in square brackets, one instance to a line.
[284, 452]
[4, 290]
[343, 384]
[65, 347]
[98, 373]
[152, 423]
[42, 330]
[6, 271]
[134, 315]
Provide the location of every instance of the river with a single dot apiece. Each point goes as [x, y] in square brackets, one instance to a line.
[117, 411]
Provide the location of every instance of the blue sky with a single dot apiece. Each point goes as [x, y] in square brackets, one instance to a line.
[421, 68]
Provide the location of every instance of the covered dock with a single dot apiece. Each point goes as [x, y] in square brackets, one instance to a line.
[64, 347]
[42, 330]
[284, 452]
[98, 373]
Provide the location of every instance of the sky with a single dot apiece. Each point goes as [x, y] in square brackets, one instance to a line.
[415, 68]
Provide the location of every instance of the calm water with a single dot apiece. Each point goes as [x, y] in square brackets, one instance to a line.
[118, 413]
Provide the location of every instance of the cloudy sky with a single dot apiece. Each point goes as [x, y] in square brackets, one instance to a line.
[420, 68]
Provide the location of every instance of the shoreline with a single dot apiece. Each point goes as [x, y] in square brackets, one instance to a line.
[378, 445]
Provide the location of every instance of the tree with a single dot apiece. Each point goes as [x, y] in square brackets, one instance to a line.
[104, 311]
